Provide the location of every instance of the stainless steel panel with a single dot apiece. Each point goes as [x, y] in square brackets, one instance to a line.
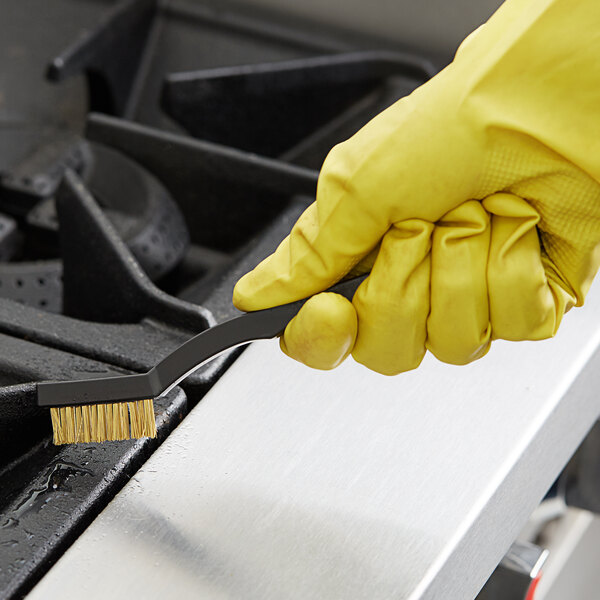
[290, 483]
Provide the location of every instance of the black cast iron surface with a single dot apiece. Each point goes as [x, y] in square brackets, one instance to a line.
[45, 509]
[151, 152]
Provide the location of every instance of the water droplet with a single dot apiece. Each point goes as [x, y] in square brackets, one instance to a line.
[10, 522]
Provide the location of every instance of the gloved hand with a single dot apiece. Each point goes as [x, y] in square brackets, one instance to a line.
[474, 202]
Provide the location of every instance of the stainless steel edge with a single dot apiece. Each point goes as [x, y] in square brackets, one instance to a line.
[290, 483]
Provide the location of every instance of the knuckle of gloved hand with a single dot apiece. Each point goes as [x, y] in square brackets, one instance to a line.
[388, 362]
[323, 333]
[391, 335]
[526, 316]
[461, 351]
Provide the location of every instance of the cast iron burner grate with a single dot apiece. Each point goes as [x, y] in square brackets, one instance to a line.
[172, 150]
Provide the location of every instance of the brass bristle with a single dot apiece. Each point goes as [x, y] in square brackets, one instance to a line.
[143, 423]
[103, 422]
[56, 429]
[68, 419]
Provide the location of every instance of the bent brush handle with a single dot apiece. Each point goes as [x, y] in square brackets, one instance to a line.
[190, 356]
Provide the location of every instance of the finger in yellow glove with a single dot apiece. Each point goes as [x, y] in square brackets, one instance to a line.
[474, 202]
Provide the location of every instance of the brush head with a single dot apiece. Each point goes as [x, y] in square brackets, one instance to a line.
[103, 422]
[122, 388]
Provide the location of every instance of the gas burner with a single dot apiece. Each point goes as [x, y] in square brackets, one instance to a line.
[139, 207]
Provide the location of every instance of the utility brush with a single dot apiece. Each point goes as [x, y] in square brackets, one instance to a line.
[121, 407]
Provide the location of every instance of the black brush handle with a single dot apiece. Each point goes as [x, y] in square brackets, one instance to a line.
[190, 356]
[252, 326]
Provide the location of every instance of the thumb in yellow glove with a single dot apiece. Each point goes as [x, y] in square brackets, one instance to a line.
[474, 203]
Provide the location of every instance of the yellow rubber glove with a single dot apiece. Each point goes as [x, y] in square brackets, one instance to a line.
[474, 202]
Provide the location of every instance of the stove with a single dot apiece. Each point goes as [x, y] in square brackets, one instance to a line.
[150, 154]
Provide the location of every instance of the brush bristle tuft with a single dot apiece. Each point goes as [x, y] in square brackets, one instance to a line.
[103, 422]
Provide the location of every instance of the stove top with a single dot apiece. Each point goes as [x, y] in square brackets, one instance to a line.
[150, 154]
